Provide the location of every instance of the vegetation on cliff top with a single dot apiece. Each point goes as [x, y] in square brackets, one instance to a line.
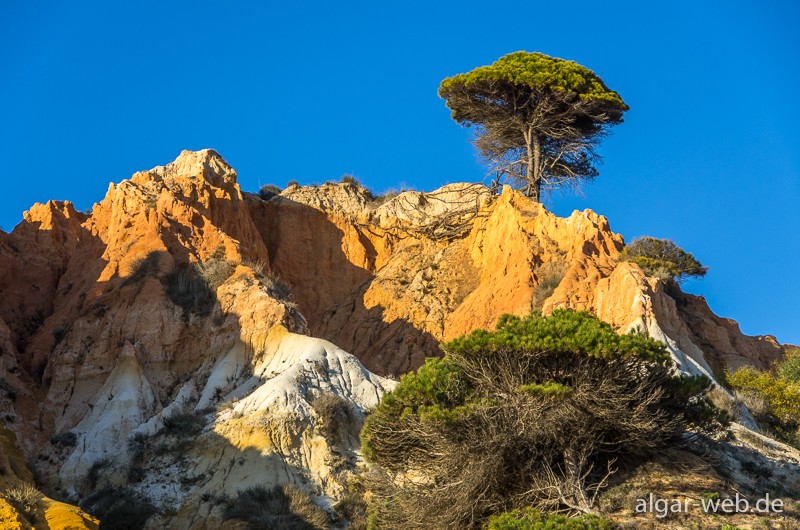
[538, 119]
[663, 258]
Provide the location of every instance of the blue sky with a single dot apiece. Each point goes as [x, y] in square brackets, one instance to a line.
[709, 154]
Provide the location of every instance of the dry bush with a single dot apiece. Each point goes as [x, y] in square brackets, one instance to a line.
[350, 179]
[194, 287]
[186, 288]
[531, 519]
[258, 267]
[268, 191]
[283, 507]
[95, 471]
[454, 219]
[549, 276]
[119, 509]
[334, 414]
[25, 498]
[143, 266]
[215, 272]
[64, 439]
[277, 288]
[387, 196]
[184, 423]
[352, 507]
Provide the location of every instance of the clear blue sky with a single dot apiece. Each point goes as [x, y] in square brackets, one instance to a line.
[709, 154]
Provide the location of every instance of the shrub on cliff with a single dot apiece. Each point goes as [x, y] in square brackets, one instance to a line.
[143, 266]
[283, 507]
[663, 258]
[64, 439]
[194, 287]
[777, 394]
[186, 288]
[530, 519]
[269, 191]
[216, 271]
[537, 413]
[25, 498]
[119, 509]
[334, 414]
[789, 367]
[184, 423]
[549, 276]
[350, 179]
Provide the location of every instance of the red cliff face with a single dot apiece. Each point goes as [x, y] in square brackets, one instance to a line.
[378, 283]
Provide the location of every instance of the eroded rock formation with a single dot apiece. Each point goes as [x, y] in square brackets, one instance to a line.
[152, 346]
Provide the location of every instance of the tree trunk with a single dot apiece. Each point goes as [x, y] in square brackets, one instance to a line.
[536, 176]
[533, 145]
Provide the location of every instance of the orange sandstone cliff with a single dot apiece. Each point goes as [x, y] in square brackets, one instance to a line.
[181, 297]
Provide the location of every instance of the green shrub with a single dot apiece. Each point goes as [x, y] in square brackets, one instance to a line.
[573, 332]
[25, 498]
[508, 418]
[269, 191]
[782, 396]
[292, 184]
[119, 509]
[663, 258]
[789, 368]
[350, 179]
[551, 389]
[283, 507]
[772, 396]
[531, 519]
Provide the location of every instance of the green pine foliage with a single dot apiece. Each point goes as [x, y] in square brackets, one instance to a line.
[538, 119]
[663, 258]
[575, 332]
[537, 70]
[493, 425]
[531, 519]
[551, 389]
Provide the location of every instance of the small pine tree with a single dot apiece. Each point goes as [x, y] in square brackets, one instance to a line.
[663, 258]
